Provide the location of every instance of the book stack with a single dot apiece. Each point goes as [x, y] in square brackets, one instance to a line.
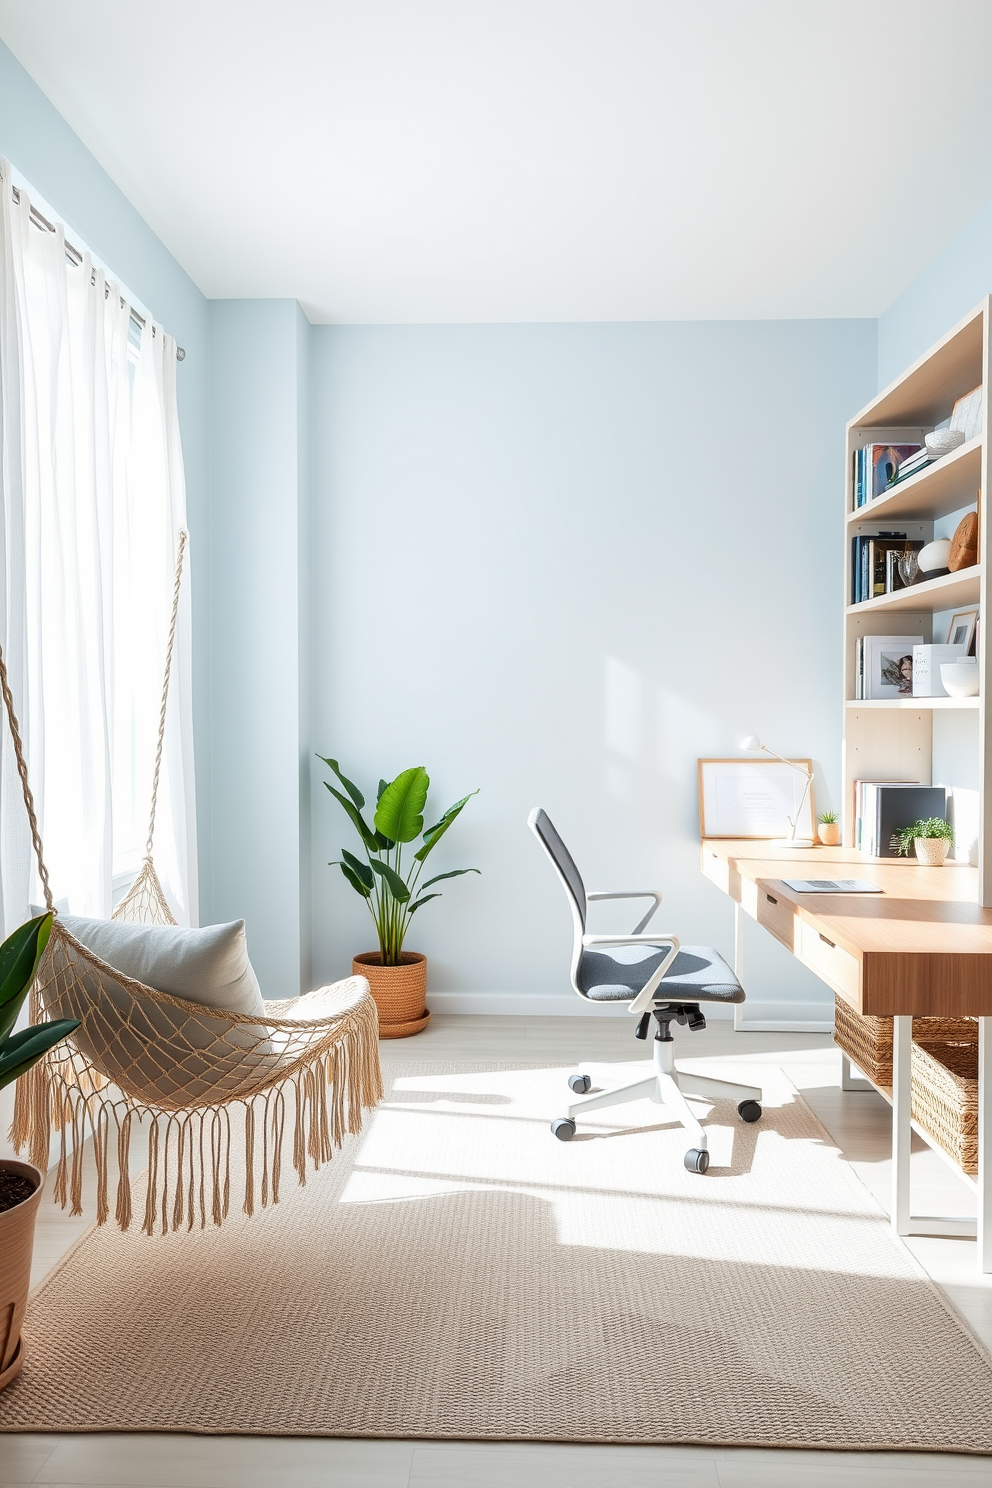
[910, 466]
[873, 571]
[878, 466]
[884, 808]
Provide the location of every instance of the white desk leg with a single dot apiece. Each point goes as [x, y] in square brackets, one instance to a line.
[738, 963]
[902, 1132]
[984, 1143]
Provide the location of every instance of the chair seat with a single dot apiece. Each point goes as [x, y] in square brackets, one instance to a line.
[617, 974]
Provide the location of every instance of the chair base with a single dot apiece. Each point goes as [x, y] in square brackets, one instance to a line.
[668, 1086]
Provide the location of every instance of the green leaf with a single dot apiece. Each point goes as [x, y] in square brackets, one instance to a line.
[425, 899]
[19, 957]
[455, 873]
[361, 825]
[399, 814]
[19, 1052]
[360, 869]
[353, 879]
[382, 787]
[395, 884]
[349, 785]
[434, 834]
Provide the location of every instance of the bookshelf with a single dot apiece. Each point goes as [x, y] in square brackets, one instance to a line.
[942, 741]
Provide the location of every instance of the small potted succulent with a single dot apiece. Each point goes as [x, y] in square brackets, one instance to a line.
[932, 839]
[394, 891]
[828, 829]
[20, 1183]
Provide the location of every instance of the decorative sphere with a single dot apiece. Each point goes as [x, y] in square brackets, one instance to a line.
[933, 558]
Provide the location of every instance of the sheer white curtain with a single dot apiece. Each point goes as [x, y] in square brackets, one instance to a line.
[92, 499]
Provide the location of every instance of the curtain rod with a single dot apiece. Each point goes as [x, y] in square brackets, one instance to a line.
[74, 256]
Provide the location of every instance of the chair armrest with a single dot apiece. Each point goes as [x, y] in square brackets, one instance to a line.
[654, 894]
[657, 938]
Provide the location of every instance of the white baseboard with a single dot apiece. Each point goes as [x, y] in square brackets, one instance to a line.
[762, 1017]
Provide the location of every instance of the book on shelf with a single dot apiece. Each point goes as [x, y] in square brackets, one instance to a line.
[871, 572]
[883, 808]
[876, 469]
[884, 667]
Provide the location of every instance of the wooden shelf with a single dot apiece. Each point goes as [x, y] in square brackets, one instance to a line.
[947, 593]
[916, 704]
[924, 394]
[945, 486]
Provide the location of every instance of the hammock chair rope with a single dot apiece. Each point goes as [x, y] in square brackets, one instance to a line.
[142, 1057]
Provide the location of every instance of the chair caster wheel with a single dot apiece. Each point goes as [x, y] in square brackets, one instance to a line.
[563, 1128]
[697, 1160]
[579, 1083]
[749, 1110]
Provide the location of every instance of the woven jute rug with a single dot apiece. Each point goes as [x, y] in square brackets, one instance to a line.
[457, 1272]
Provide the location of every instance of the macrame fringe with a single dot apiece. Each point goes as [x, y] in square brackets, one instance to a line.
[188, 1153]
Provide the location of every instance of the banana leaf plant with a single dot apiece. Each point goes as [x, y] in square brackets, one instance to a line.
[20, 956]
[393, 891]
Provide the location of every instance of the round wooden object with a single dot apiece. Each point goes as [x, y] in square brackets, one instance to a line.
[829, 833]
[964, 544]
[399, 992]
[16, 1245]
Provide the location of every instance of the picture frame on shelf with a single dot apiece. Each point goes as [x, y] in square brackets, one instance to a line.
[961, 629]
[753, 798]
[967, 413]
[888, 666]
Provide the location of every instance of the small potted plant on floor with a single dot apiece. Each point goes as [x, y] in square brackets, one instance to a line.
[828, 829]
[20, 1183]
[394, 890]
[931, 838]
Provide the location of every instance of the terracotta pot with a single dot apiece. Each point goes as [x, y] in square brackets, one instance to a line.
[399, 991]
[932, 850]
[829, 833]
[16, 1245]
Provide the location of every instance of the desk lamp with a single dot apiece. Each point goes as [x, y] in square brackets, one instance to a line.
[753, 745]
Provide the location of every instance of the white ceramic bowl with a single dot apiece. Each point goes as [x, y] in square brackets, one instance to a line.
[933, 558]
[960, 678]
[942, 441]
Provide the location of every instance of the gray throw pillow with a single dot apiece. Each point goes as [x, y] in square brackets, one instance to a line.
[208, 966]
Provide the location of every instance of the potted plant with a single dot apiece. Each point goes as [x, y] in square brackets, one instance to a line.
[394, 890]
[932, 839]
[828, 829]
[20, 1183]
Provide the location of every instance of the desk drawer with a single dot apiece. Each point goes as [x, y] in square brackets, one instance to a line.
[777, 915]
[837, 967]
[716, 869]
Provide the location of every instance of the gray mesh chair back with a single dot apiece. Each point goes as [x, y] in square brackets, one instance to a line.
[543, 828]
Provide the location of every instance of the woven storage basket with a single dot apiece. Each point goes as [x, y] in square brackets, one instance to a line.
[945, 1091]
[867, 1041]
[398, 991]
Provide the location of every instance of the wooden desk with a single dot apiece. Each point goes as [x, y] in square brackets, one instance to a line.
[922, 947]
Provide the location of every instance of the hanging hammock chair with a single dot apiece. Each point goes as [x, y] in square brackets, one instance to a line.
[175, 1068]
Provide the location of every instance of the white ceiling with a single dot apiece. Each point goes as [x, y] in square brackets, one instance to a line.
[517, 160]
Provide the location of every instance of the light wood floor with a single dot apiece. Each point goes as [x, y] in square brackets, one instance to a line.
[859, 1124]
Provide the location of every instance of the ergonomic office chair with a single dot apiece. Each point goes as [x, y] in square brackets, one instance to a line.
[658, 977]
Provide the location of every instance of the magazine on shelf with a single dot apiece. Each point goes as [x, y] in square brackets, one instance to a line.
[876, 469]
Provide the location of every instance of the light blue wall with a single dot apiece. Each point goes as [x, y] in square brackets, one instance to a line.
[258, 485]
[561, 563]
[950, 286]
[44, 150]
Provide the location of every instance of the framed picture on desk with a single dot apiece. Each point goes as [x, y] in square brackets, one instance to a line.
[753, 798]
